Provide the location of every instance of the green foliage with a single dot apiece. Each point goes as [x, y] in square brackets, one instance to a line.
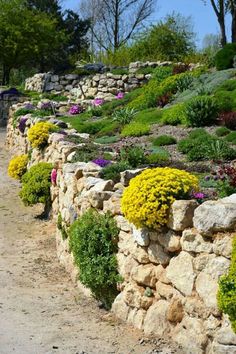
[93, 242]
[86, 153]
[113, 170]
[184, 82]
[164, 140]
[135, 156]
[162, 72]
[120, 71]
[201, 111]
[149, 116]
[107, 139]
[36, 184]
[227, 290]
[74, 139]
[61, 227]
[22, 112]
[55, 97]
[174, 115]
[135, 129]
[231, 137]
[203, 146]
[124, 115]
[158, 156]
[225, 57]
[145, 71]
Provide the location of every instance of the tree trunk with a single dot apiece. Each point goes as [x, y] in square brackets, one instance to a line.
[233, 26]
[6, 75]
[223, 39]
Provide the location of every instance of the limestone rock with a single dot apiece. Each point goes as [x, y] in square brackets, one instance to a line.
[122, 223]
[103, 186]
[144, 275]
[126, 264]
[222, 245]
[214, 216]
[207, 289]
[157, 254]
[170, 241]
[180, 272]
[113, 205]
[192, 241]
[134, 296]
[141, 236]
[120, 308]
[155, 322]
[181, 214]
[175, 312]
[166, 291]
[127, 175]
[96, 198]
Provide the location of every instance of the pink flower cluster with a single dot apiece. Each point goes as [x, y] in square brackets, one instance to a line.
[98, 102]
[54, 176]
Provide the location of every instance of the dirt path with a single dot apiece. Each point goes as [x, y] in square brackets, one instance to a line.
[41, 311]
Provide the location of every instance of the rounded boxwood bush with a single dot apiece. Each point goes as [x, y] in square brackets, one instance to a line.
[93, 241]
[18, 166]
[227, 290]
[224, 58]
[147, 200]
[36, 184]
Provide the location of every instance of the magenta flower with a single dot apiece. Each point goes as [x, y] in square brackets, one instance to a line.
[120, 95]
[22, 124]
[98, 102]
[54, 176]
[76, 109]
[199, 196]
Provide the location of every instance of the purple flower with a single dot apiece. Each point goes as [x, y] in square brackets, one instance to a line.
[102, 162]
[46, 106]
[207, 178]
[54, 176]
[22, 124]
[120, 95]
[29, 106]
[76, 109]
[98, 102]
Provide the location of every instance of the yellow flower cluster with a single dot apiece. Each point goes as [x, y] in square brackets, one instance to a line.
[38, 134]
[17, 166]
[147, 200]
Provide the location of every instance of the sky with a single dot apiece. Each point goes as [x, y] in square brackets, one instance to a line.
[203, 16]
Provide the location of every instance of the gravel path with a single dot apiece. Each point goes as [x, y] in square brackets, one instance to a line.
[41, 311]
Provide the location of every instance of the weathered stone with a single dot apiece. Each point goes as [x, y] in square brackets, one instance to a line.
[144, 275]
[175, 311]
[127, 175]
[126, 264]
[122, 223]
[141, 236]
[134, 296]
[181, 214]
[180, 272]
[166, 291]
[222, 245]
[190, 333]
[214, 216]
[138, 318]
[120, 308]
[113, 205]
[155, 322]
[195, 307]
[201, 261]
[103, 186]
[207, 289]
[157, 255]
[192, 241]
[96, 199]
[126, 243]
[90, 182]
[140, 254]
[170, 241]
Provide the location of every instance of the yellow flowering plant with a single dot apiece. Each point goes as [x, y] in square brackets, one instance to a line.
[38, 134]
[18, 166]
[147, 199]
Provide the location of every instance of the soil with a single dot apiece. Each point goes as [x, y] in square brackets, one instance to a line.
[41, 311]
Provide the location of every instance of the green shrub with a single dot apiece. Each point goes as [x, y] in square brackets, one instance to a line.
[110, 129]
[201, 111]
[113, 170]
[225, 57]
[22, 112]
[93, 242]
[162, 72]
[164, 140]
[227, 290]
[146, 71]
[197, 133]
[86, 153]
[174, 115]
[231, 137]
[124, 115]
[107, 139]
[74, 139]
[135, 156]
[61, 227]
[184, 82]
[149, 116]
[120, 71]
[158, 156]
[135, 129]
[36, 184]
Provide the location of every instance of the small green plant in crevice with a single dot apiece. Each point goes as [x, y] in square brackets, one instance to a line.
[36, 184]
[124, 115]
[164, 140]
[227, 290]
[61, 227]
[113, 170]
[93, 241]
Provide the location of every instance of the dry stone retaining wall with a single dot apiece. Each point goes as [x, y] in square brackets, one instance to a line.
[5, 103]
[170, 277]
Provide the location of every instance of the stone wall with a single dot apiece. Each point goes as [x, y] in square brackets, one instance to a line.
[170, 277]
[5, 103]
[105, 85]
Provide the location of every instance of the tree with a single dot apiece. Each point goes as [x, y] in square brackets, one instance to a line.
[114, 22]
[171, 39]
[26, 37]
[231, 7]
[219, 7]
